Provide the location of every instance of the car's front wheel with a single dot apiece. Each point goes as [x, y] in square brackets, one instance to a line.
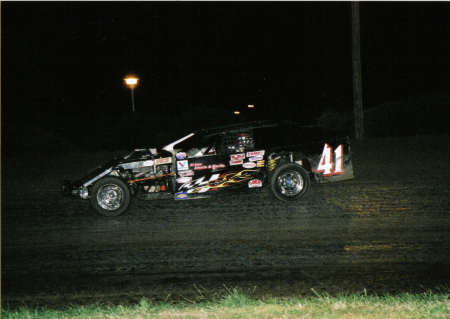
[289, 182]
[110, 196]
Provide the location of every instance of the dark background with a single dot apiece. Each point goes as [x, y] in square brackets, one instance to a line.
[63, 63]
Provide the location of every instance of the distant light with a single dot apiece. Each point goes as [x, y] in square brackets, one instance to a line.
[131, 81]
[237, 112]
[251, 106]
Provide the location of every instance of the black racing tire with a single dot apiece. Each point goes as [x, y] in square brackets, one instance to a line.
[110, 196]
[289, 182]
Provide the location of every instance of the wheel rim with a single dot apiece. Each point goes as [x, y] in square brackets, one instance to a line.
[110, 197]
[290, 183]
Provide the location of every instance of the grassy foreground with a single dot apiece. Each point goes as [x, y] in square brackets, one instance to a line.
[235, 304]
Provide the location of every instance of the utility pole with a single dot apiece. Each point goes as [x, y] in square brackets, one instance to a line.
[356, 66]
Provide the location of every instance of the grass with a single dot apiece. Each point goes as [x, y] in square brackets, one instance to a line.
[242, 304]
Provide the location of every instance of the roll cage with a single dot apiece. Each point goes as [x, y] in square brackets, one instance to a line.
[226, 139]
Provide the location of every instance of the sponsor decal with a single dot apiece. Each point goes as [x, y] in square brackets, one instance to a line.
[186, 173]
[256, 158]
[237, 156]
[184, 180]
[249, 165]
[148, 163]
[198, 168]
[255, 153]
[181, 155]
[166, 160]
[260, 164]
[182, 165]
[217, 166]
[254, 183]
[236, 162]
[181, 196]
[201, 166]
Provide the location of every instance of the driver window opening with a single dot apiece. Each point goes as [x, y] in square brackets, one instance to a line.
[237, 142]
[208, 146]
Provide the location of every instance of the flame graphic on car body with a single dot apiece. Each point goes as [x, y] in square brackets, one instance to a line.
[224, 180]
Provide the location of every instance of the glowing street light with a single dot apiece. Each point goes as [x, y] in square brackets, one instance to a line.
[237, 112]
[131, 82]
[251, 106]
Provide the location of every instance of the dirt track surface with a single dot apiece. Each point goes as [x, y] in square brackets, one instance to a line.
[388, 230]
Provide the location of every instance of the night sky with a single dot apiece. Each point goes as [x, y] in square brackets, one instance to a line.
[286, 58]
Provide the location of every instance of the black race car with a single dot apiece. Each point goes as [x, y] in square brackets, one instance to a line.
[212, 162]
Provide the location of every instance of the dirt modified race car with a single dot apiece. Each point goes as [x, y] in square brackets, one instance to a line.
[212, 162]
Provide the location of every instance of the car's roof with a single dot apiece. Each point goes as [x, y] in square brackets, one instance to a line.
[235, 127]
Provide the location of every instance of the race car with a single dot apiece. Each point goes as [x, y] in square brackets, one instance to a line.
[218, 161]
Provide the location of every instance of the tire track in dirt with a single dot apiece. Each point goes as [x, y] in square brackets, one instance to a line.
[332, 224]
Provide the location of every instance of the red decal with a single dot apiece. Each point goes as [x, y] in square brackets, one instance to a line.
[237, 156]
[160, 161]
[254, 183]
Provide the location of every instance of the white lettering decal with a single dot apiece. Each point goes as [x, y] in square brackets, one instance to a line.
[184, 180]
[186, 173]
[256, 153]
[256, 158]
[326, 164]
[249, 165]
[148, 163]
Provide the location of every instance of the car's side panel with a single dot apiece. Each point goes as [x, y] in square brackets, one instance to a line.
[208, 174]
[328, 161]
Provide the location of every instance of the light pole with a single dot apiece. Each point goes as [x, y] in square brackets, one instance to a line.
[356, 66]
[131, 82]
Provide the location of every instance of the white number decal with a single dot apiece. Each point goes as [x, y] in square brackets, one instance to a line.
[339, 158]
[326, 164]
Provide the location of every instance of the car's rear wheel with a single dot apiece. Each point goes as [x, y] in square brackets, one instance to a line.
[289, 182]
[110, 196]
